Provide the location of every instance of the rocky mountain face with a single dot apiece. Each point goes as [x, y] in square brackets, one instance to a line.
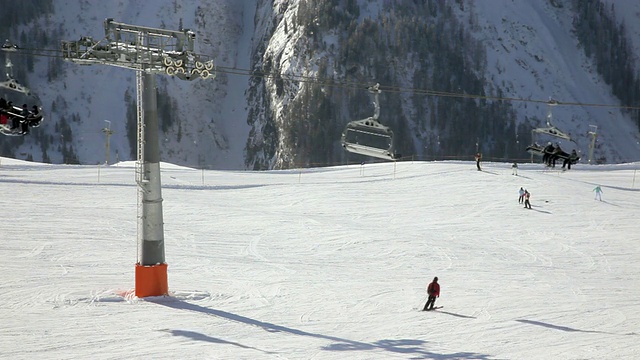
[457, 77]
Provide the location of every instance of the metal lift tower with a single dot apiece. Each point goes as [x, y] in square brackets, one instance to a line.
[148, 51]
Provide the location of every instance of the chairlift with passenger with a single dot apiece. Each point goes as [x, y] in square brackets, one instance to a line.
[14, 96]
[368, 136]
[544, 150]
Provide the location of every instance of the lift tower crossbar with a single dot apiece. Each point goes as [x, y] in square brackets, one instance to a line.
[148, 51]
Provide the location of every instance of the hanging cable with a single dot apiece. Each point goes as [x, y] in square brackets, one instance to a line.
[51, 53]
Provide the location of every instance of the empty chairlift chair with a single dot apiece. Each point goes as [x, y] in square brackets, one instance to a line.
[368, 136]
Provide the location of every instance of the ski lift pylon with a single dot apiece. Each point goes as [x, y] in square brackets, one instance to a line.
[368, 136]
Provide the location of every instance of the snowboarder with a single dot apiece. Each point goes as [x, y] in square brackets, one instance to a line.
[527, 204]
[598, 191]
[514, 169]
[521, 197]
[433, 289]
[478, 157]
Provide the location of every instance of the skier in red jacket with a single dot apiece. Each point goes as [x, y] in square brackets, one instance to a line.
[433, 289]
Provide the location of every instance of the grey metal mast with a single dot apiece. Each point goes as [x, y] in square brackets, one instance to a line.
[148, 51]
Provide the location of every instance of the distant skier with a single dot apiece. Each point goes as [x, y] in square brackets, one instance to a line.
[478, 157]
[527, 204]
[521, 197]
[514, 169]
[598, 191]
[433, 289]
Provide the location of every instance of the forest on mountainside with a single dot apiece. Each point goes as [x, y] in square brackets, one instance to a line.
[32, 41]
[377, 50]
[604, 39]
[422, 48]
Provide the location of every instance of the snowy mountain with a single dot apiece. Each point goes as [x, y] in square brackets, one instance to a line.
[207, 119]
[310, 64]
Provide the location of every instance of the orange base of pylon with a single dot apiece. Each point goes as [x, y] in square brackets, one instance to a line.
[151, 280]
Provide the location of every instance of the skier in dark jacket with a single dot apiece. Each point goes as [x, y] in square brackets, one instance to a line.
[24, 123]
[433, 289]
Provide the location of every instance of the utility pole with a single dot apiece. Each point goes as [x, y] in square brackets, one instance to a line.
[107, 131]
[148, 51]
[594, 133]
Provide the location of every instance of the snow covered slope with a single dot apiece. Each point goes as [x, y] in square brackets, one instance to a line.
[324, 263]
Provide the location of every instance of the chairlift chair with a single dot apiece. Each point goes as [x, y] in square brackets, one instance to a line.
[550, 129]
[13, 85]
[17, 94]
[10, 83]
[33, 119]
[367, 136]
[18, 97]
[370, 138]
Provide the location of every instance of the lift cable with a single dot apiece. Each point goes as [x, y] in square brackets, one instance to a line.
[51, 53]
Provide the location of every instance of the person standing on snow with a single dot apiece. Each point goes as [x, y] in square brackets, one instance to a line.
[514, 169]
[598, 193]
[527, 204]
[478, 157]
[521, 193]
[433, 289]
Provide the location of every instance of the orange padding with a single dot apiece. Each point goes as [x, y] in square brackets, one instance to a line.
[151, 280]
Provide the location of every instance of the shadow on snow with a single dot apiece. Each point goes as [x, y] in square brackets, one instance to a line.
[402, 346]
[202, 337]
[565, 328]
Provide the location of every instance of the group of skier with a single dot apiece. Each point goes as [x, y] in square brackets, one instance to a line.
[524, 198]
[553, 153]
[18, 119]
